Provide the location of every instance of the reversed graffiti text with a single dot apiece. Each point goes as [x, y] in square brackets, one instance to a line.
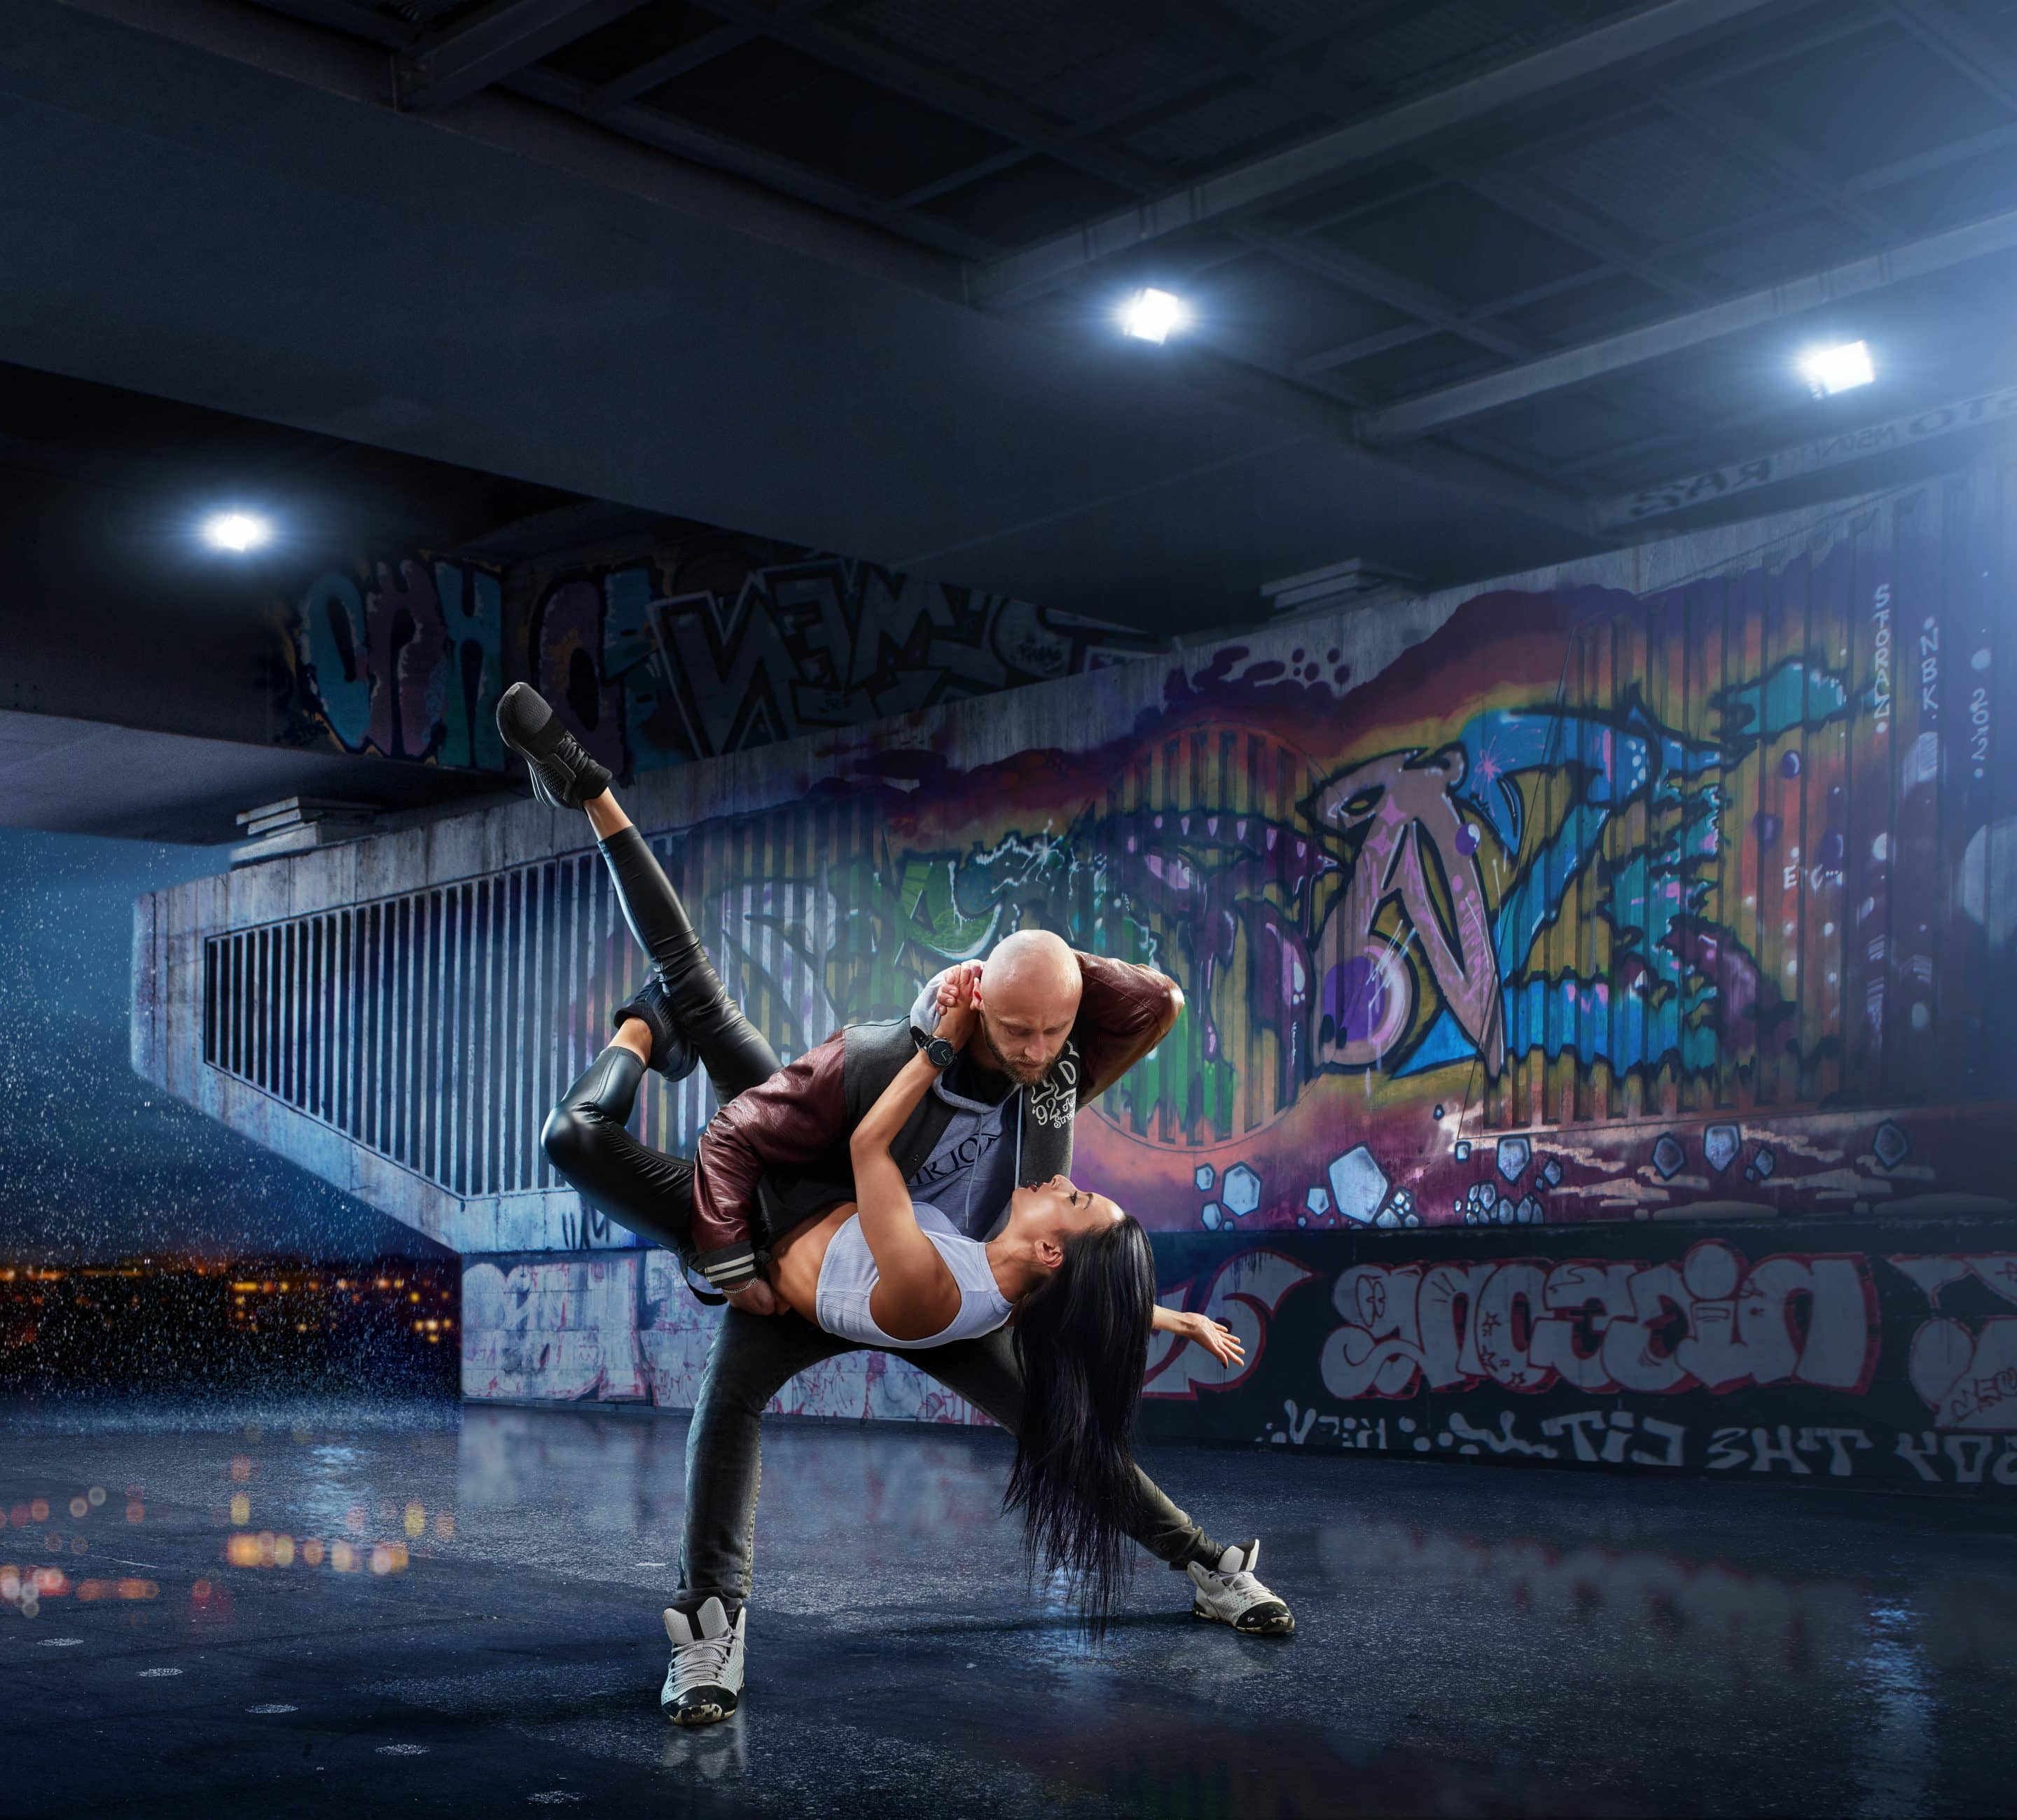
[1708, 1322]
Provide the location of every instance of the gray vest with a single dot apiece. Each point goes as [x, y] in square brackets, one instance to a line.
[872, 1056]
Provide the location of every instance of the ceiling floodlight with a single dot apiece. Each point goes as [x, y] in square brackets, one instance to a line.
[1152, 315]
[236, 531]
[1829, 370]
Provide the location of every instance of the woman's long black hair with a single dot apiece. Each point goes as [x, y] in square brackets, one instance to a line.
[1082, 1339]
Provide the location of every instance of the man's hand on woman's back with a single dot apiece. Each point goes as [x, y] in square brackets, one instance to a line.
[757, 1298]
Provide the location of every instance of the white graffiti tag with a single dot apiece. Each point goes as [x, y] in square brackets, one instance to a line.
[1710, 1322]
[1967, 1375]
[1244, 1291]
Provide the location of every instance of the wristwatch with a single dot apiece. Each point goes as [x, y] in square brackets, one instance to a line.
[938, 1051]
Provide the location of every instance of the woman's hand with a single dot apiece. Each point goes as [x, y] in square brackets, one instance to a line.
[959, 1004]
[1220, 1342]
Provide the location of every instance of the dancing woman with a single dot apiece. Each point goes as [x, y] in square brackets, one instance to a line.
[1073, 1273]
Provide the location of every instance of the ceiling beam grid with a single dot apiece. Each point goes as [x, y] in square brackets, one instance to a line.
[440, 71]
[1278, 176]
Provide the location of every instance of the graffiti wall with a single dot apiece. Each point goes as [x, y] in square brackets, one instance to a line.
[704, 642]
[621, 1328]
[1886, 1354]
[1883, 1353]
[1599, 987]
[1587, 905]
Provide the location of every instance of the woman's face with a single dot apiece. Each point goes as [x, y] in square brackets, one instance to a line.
[1051, 1212]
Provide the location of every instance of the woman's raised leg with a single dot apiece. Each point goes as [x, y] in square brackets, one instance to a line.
[566, 775]
[586, 1138]
[731, 1049]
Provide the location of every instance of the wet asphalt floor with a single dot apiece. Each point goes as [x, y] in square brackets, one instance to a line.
[458, 1609]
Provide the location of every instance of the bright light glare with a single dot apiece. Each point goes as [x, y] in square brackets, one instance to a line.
[236, 531]
[1151, 315]
[1828, 370]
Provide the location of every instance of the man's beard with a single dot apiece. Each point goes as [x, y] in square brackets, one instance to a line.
[1017, 1072]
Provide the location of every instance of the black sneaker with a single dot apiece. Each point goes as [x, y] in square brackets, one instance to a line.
[563, 776]
[672, 1055]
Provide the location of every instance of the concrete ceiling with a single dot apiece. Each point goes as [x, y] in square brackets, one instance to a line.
[86, 778]
[1470, 279]
[224, 210]
[1473, 281]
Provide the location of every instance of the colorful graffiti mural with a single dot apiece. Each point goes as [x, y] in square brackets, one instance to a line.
[1587, 906]
[707, 644]
[1524, 908]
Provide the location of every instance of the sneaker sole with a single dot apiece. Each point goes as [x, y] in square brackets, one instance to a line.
[537, 750]
[517, 739]
[702, 1712]
[1285, 1626]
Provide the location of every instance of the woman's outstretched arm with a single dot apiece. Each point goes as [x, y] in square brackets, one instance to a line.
[915, 1294]
[1220, 1341]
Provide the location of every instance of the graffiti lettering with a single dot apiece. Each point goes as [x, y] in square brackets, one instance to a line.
[1242, 1294]
[1822, 453]
[646, 673]
[1959, 1459]
[588, 1229]
[1880, 693]
[409, 669]
[1431, 924]
[1614, 1429]
[1966, 1373]
[1709, 1323]
[1799, 1450]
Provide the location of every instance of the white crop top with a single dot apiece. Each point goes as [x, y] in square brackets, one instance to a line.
[848, 1277]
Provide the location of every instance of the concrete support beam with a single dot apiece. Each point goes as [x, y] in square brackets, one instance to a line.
[1961, 44]
[1609, 353]
[1739, 479]
[496, 44]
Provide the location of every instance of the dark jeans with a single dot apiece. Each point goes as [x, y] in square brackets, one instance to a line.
[754, 1355]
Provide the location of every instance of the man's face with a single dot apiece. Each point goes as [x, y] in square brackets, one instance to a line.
[1024, 1024]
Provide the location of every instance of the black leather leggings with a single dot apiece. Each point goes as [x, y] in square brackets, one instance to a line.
[587, 1136]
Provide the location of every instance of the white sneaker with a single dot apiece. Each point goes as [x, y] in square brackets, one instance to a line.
[1230, 1595]
[704, 1684]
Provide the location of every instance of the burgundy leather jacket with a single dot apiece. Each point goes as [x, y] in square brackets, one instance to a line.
[778, 1153]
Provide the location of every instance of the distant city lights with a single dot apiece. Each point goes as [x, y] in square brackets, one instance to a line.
[25, 1589]
[1153, 316]
[1840, 369]
[238, 533]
